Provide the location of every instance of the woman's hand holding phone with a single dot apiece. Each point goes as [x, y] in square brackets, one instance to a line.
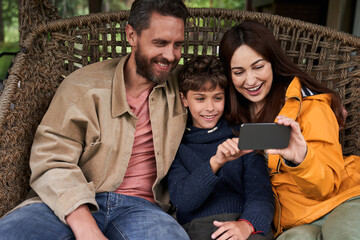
[297, 148]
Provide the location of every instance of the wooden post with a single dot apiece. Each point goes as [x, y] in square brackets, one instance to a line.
[95, 6]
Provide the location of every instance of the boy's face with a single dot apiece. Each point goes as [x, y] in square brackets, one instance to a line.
[206, 107]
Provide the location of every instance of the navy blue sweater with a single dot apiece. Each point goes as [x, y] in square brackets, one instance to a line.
[240, 186]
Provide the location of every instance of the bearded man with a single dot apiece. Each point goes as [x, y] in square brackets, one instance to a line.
[108, 139]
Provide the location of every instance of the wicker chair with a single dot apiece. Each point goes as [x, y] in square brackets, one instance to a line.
[52, 48]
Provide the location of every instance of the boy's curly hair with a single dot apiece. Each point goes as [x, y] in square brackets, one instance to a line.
[200, 70]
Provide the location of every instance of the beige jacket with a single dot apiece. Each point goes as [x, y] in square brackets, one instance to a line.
[84, 142]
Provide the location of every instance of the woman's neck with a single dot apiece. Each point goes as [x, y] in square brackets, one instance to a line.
[255, 110]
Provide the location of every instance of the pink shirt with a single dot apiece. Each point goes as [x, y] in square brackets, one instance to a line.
[141, 172]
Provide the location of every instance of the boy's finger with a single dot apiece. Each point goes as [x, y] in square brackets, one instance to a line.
[219, 231]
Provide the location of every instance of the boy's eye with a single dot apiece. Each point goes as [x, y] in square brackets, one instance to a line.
[200, 99]
[219, 98]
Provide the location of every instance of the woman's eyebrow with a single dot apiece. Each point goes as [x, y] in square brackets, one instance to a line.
[254, 63]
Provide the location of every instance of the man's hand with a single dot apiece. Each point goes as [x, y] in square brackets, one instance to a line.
[83, 224]
[234, 230]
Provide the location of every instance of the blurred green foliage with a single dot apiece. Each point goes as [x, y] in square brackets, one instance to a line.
[69, 8]
[7, 53]
[10, 20]
[228, 4]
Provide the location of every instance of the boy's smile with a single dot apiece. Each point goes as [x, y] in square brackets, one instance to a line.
[206, 106]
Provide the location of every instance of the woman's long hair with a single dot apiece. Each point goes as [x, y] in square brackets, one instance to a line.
[259, 38]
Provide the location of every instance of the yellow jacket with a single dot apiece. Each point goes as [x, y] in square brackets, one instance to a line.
[325, 178]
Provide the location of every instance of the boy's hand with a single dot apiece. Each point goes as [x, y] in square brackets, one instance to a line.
[227, 151]
[239, 230]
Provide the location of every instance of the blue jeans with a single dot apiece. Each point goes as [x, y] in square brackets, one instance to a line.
[119, 217]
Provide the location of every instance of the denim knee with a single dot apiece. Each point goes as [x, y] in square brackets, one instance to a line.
[34, 221]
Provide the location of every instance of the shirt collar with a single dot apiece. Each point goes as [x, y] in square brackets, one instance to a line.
[119, 103]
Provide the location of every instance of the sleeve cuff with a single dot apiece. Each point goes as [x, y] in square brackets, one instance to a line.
[73, 198]
[289, 163]
[253, 229]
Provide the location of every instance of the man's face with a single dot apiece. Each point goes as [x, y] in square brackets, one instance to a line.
[158, 48]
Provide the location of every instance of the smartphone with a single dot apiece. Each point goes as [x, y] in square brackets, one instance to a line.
[259, 136]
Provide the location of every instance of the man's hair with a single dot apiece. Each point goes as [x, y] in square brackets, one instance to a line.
[141, 11]
[201, 70]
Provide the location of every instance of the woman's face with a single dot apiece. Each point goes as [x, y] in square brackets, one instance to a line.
[251, 75]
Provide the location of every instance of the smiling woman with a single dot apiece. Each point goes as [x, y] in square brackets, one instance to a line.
[252, 77]
[267, 86]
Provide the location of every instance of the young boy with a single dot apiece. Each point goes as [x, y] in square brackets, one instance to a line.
[217, 193]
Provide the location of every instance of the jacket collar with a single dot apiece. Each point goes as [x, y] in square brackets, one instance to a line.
[119, 104]
[293, 100]
[294, 89]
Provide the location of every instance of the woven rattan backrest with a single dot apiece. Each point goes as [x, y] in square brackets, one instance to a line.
[33, 13]
[57, 48]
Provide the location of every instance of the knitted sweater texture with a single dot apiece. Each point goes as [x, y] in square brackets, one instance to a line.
[240, 186]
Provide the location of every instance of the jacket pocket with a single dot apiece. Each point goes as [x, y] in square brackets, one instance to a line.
[94, 163]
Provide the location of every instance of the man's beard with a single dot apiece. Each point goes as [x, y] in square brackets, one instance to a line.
[144, 68]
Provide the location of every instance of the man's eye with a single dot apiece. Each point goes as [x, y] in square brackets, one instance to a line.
[159, 44]
[178, 45]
